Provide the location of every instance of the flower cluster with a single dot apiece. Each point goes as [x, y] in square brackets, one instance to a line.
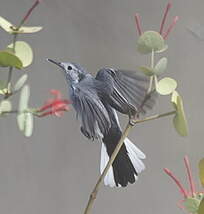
[54, 106]
[192, 198]
[161, 31]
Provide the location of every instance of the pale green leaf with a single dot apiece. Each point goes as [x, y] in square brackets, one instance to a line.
[201, 171]
[21, 121]
[179, 120]
[24, 98]
[150, 40]
[30, 29]
[6, 25]
[28, 129]
[201, 207]
[5, 105]
[8, 59]
[191, 205]
[21, 81]
[160, 66]
[147, 70]
[24, 52]
[166, 86]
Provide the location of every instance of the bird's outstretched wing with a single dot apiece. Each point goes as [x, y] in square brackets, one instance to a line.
[91, 110]
[125, 90]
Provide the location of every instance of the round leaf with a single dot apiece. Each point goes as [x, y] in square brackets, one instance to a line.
[201, 207]
[201, 171]
[8, 59]
[33, 29]
[24, 52]
[147, 70]
[6, 25]
[166, 86]
[161, 66]
[150, 40]
[19, 84]
[179, 120]
[24, 98]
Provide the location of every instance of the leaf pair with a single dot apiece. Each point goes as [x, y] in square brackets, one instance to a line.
[10, 28]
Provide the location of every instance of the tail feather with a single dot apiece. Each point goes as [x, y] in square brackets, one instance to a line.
[125, 167]
[109, 178]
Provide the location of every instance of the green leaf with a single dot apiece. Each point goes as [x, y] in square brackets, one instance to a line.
[21, 121]
[5, 105]
[25, 123]
[179, 120]
[166, 86]
[21, 81]
[161, 66]
[191, 205]
[201, 171]
[201, 207]
[147, 70]
[24, 52]
[6, 25]
[150, 40]
[30, 29]
[24, 98]
[8, 59]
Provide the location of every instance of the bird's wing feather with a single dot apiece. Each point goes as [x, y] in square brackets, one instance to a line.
[91, 110]
[125, 90]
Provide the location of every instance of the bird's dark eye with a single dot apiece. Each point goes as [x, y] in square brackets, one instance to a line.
[69, 67]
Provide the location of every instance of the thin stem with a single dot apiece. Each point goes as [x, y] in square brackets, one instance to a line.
[154, 117]
[15, 35]
[190, 177]
[151, 78]
[100, 180]
[164, 17]
[11, 68]
[183, 191]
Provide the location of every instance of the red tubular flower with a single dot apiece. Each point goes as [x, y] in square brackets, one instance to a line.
[55, 106]
[188, 195]
[161, 31]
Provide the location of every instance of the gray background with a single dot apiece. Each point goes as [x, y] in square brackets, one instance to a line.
[55, 170]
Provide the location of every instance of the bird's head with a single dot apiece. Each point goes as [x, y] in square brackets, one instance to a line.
[73, 72]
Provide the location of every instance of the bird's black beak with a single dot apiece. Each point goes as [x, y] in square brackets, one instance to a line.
[56, 63]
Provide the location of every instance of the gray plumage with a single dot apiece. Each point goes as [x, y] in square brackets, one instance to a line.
[95, 101]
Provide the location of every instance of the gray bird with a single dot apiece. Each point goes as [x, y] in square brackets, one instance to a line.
[96, 100]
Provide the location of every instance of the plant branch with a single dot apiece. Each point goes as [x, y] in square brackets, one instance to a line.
[154, 117]
[100, 180]
[129, 126]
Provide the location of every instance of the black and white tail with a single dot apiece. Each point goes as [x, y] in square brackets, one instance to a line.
[126, 167]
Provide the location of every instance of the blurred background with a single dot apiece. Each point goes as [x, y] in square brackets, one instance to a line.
[55, 170]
